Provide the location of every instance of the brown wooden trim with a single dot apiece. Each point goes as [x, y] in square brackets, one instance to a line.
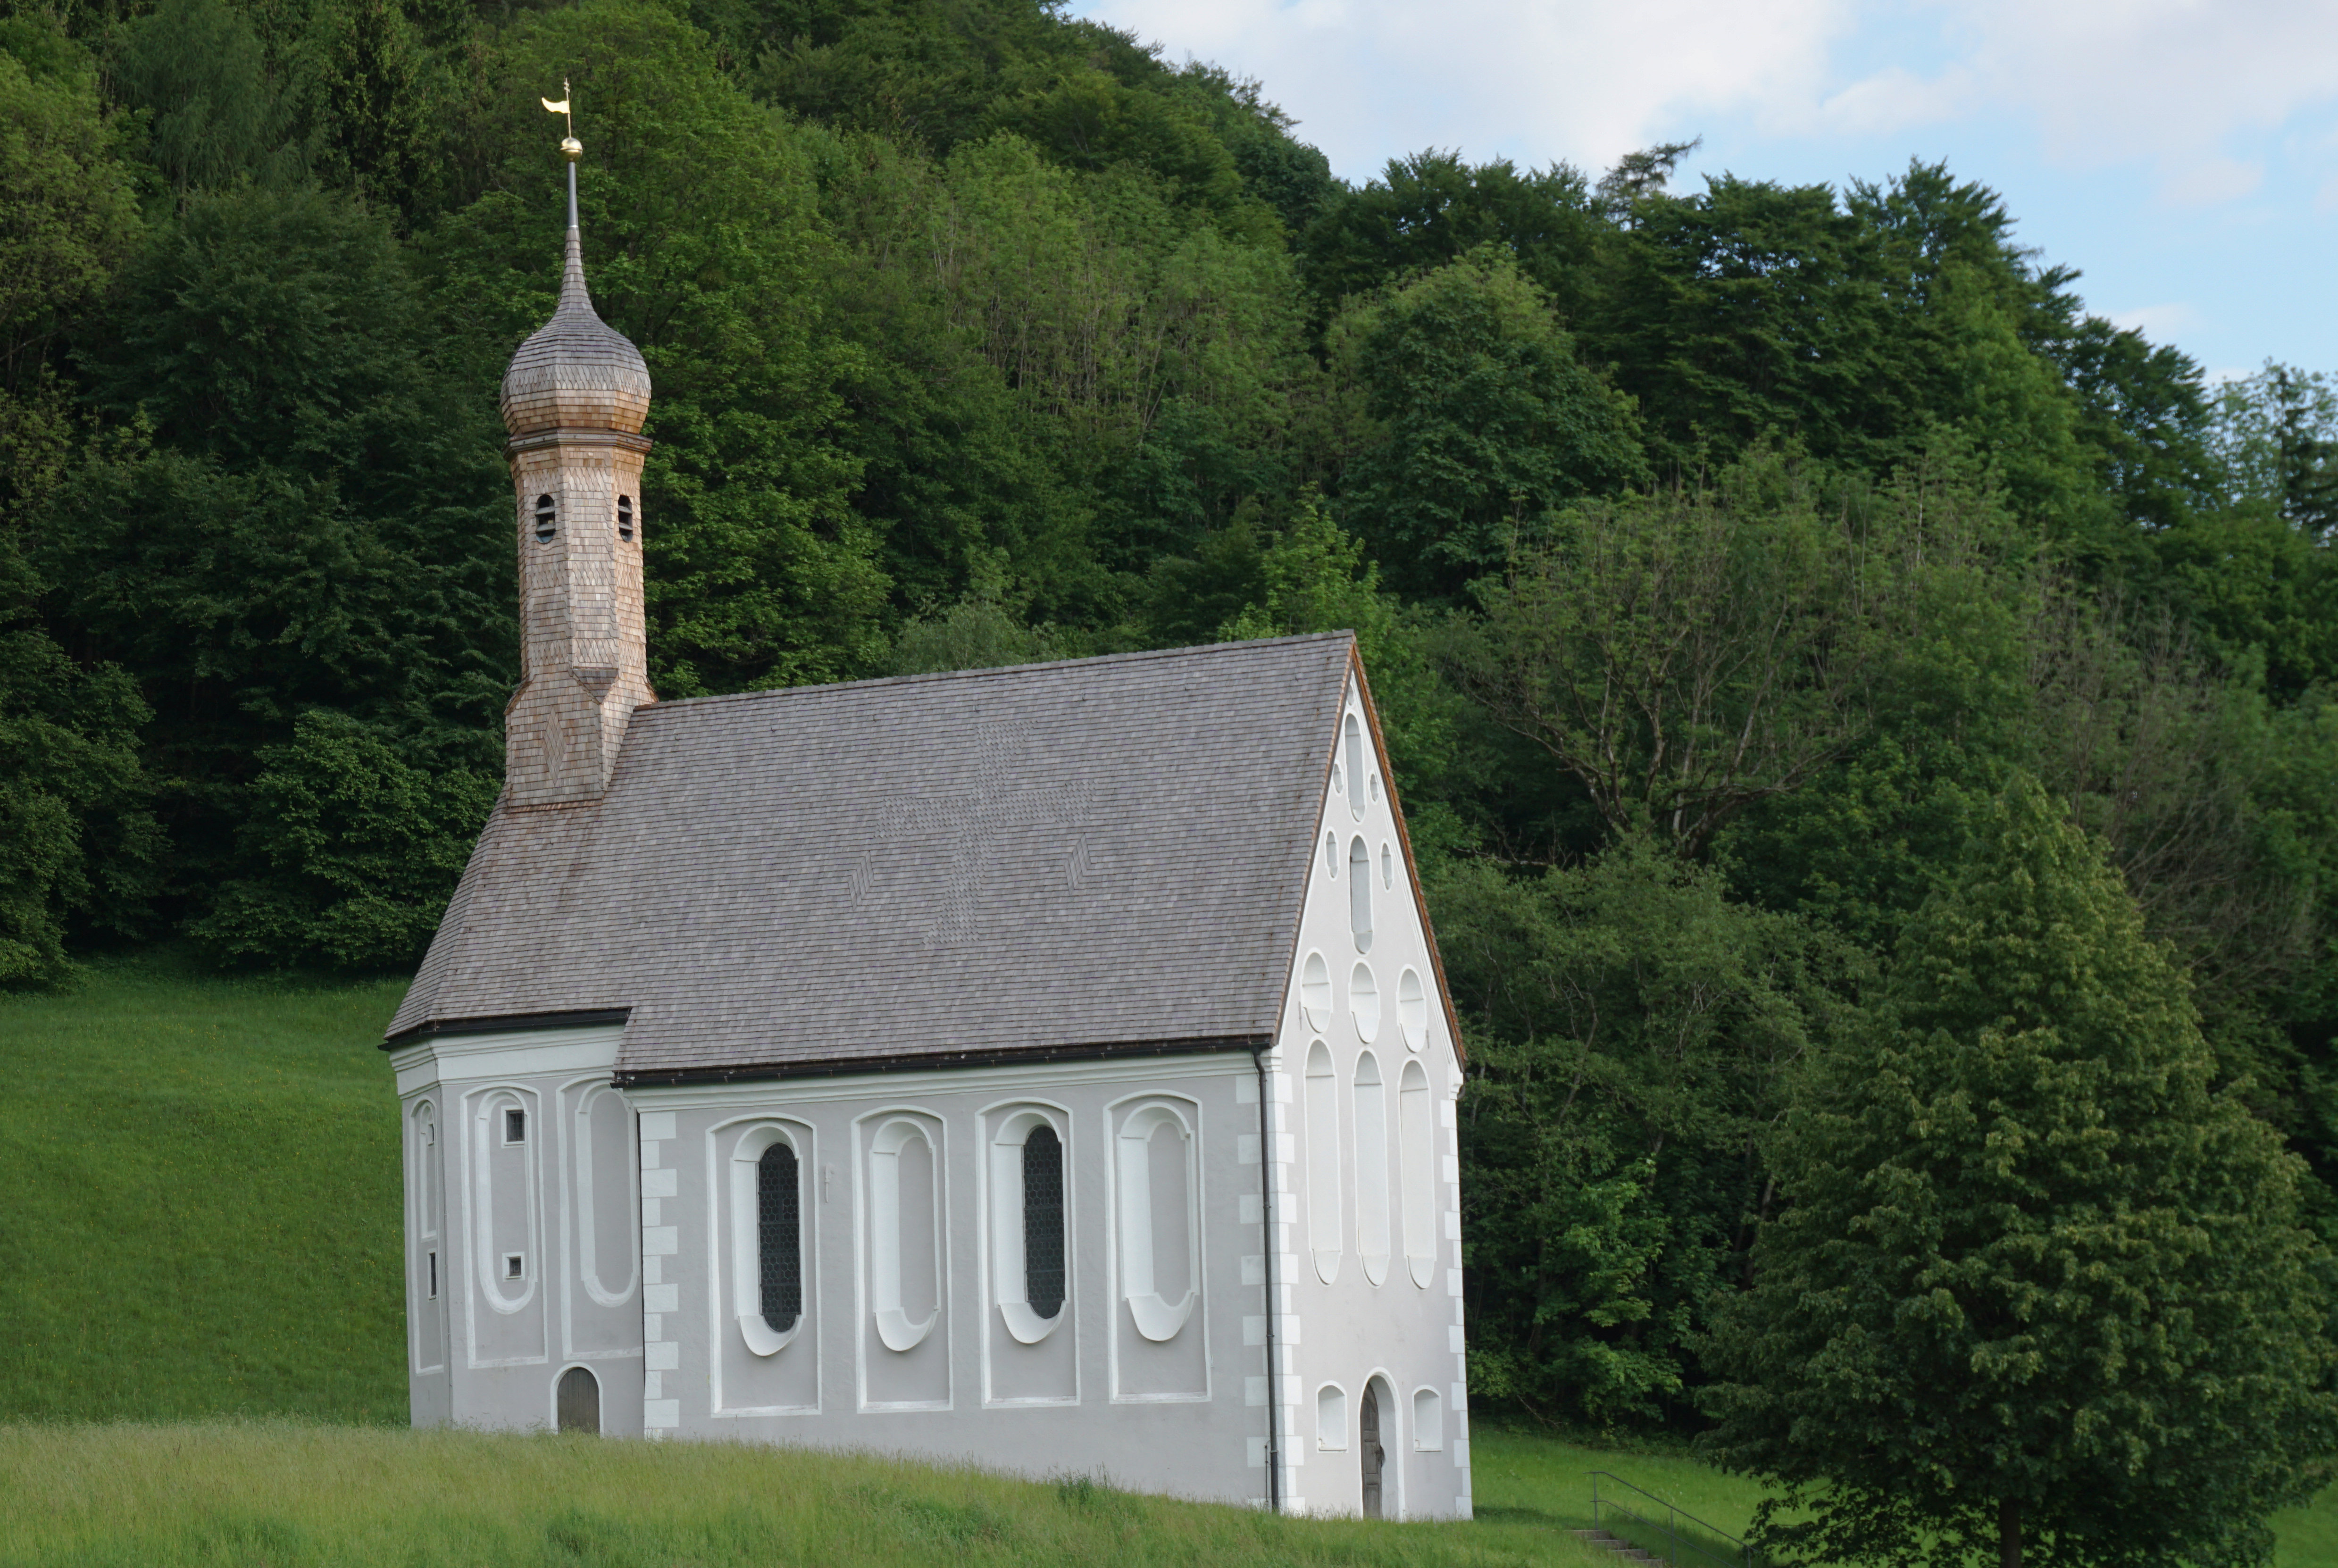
[573, 436]
[927, 1060]
[516, 1023]
[1404, 837]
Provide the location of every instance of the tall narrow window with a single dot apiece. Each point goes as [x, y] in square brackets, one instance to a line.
[780, 1236]
[1323, 1161]
[515, 1125]
[625, 516]
[1416, 1146]
[1042, 1221]
[545, 515]
[1360, 894]
[1030, 1279]
[771, 1259]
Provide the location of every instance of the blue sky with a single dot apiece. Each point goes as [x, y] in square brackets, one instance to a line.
[2182, 153]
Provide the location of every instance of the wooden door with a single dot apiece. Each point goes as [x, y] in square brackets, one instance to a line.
[579, 1402]
[1368, 1433]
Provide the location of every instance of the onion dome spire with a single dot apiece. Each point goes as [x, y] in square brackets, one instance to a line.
[577, 372]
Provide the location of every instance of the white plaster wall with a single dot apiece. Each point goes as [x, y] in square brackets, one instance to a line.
[1181, 1414]
[1344, 1330]
[487, 1350]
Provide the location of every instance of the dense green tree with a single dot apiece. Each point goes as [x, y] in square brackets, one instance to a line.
[2275, 434]
[2037, 1288]
[78, 840]
[1431, 208]
[360, 851]
[1633, 1034]
[1475, 417]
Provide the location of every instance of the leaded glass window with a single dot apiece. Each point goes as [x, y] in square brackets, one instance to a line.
[1042, 1221]
[779, 1237]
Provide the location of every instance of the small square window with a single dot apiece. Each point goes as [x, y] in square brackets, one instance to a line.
[515, 1268]
[515, 1125]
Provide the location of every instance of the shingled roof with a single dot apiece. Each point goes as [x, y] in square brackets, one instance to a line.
[1096, 856]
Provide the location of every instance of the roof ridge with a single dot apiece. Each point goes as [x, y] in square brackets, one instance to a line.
[1134, 656]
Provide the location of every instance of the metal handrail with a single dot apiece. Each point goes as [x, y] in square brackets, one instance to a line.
[1671, 1530]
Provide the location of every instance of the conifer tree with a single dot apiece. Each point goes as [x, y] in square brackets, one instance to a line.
[2043, 1292]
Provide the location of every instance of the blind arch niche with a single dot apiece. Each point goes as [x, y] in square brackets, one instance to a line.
[771, 1166]
[1416, 1148]
[1157, 1179]
[905, 1232]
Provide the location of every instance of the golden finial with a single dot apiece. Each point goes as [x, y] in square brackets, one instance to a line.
[568, 143]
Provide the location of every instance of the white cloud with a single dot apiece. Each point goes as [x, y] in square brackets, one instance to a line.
[2158, 322]
[2167, 84]
[1584, 80]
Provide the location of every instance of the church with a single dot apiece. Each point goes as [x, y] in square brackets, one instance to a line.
[1048, 1068]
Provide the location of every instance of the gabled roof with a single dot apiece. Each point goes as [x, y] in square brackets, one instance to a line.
[1101, 855]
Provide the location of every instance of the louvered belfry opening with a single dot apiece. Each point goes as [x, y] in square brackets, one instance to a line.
[779, 1237]
[1042, 1221]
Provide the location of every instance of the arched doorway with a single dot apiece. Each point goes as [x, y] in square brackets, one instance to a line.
[1368, 1434]
[578, 1402]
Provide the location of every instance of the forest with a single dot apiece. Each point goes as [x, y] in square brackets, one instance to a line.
[1722, 558]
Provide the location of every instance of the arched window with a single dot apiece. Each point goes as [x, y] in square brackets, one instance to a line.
[1359, 893]
[904, 1234]
[1352, 731]
[577, 1402]
[768, 1254]
[1371, 1170]
[1157, 1171]
[1027, 1240]
[625, 516]
[545, 523]
[779, 1238]
[1042, 1221]
[1417, 1141]
[1323, 1161]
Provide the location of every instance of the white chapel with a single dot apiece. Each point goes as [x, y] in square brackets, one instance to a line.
[1046, 1067]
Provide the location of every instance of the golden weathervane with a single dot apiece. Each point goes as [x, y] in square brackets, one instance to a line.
[568, 143]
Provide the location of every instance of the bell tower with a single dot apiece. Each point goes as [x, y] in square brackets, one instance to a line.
[574, 401]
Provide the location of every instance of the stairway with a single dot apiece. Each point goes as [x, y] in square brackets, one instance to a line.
[1624, 1550]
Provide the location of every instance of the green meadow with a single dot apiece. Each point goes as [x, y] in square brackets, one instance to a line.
[199, 1274]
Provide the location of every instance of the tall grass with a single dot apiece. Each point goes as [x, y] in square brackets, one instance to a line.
[202, 1213]
[202, 1220]
[289, 1495]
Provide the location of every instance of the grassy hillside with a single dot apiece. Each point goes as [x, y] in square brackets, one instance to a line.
[203, 1200]
[291, 1494]
[204, 1224]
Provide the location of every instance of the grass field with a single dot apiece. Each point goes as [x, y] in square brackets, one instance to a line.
[203, 1224]
[292, 1496]
[202, 1200]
